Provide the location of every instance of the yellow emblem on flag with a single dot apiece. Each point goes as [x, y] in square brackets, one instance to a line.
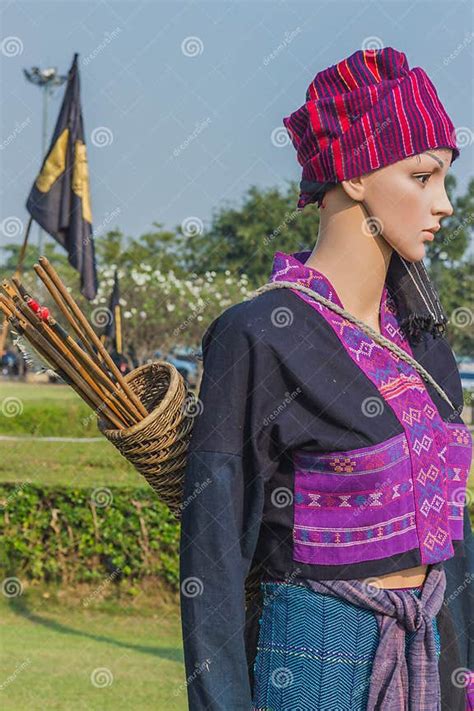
[54, 165]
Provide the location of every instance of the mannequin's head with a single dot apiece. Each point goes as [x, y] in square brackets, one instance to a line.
[405, 198]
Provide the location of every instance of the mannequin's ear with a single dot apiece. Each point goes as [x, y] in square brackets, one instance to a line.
[354, 188]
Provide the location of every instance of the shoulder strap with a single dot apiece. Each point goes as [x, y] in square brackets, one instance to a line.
[363, 326]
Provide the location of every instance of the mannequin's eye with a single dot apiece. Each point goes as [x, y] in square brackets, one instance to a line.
[425, 175]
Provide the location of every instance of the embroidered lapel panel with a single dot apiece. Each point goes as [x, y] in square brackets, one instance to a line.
[428, 513]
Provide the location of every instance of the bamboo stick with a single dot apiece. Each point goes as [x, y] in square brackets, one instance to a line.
[15, 322]
[9, 289]
[98, 406]
[59, 345]
[19, 266]
[138, 407]
[52, 365]
[65, 311]
[38, 339]
[108, 386]
[7, 310]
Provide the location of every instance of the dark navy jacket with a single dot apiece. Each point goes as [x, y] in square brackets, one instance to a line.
[283, 395]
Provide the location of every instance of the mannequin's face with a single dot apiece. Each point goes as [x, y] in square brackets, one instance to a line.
[407, 197]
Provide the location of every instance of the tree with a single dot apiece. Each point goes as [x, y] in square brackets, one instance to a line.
[450, 266]
[244, 239]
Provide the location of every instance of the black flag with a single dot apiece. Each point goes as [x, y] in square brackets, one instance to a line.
[60, 198]
[113, 328]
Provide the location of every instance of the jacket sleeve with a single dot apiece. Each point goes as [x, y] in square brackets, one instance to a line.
[221, 516]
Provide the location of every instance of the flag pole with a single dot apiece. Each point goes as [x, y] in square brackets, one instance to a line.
[19, 268]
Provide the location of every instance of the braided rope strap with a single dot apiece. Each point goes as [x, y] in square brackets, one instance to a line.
[363, 326]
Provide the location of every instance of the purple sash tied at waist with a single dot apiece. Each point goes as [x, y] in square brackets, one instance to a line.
[398, 683]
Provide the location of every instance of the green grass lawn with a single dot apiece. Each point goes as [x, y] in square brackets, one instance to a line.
[52, 656]
[66, 463]
[44, 410]
[57, 411]
[30, 391]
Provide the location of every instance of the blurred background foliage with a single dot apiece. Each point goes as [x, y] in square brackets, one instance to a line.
[174, 283]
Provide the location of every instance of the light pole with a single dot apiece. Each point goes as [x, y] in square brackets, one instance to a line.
[47, 80]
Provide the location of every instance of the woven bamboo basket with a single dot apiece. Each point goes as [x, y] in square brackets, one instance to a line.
[157, 445]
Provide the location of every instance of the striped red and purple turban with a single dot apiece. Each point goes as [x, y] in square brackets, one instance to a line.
[365, 112]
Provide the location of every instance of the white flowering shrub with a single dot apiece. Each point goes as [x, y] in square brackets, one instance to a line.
[160, 310]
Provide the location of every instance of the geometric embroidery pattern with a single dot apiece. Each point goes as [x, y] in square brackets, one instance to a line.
[420, 503]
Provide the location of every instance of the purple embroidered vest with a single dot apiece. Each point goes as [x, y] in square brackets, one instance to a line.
[404, 493]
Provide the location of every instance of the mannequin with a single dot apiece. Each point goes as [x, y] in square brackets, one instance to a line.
[405, 198]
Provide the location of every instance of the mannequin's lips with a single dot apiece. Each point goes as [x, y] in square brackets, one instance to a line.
[429, 235]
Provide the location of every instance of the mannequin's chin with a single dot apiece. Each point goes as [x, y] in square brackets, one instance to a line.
[409, 250]
[413, 255]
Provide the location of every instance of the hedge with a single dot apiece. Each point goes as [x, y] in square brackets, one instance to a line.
[68, 535]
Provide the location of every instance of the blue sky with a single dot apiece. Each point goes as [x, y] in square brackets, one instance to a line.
[181, 99]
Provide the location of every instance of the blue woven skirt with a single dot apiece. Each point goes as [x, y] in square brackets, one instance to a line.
[315, 652]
